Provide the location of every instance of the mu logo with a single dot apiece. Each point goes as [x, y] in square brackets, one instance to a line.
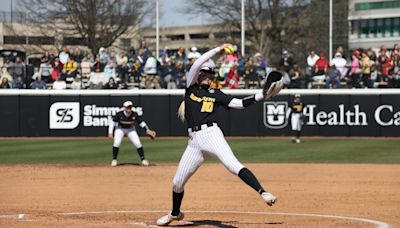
[275, 114]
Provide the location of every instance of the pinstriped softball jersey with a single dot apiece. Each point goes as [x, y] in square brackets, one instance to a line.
[206, 138]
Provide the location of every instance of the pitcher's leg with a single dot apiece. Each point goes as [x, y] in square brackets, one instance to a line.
[191, 160]
[218, 146]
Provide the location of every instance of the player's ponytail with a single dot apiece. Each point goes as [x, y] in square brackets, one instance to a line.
[181, 111]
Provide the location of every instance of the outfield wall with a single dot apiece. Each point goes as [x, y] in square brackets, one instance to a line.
[85, 113]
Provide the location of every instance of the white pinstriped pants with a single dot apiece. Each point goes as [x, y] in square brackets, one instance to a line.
[209, 141]
[296, 123]
[130, 132]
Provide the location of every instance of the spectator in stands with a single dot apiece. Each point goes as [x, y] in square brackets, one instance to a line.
[86, 65]
[8, 66]
[5, 84]
[332, 77]
[141, 57]
[136, 70]
[57, 67]
[45, 71]
[341, 51]
[122, 67]
[260, 63]
[110, 71]
[321, 65]
[286, 62]
[18, 84]
[150, 69]
[48, 56]
[394, 72]
[251, 79]
[384, 63]
[96, 79]
[355, 70]
[224, 69]
[77, 83]
[98, 65]
[180, 72]
[311, 60]
[110, 84]
[113, 56]
[340, 64]
[104, 58]
[181, 55]
[38, 83]
[59, 84]
[64, 55]
[122, 85]
[296, 77]
[70, 70]
[366, 70]
[77, 56]
[193, 54]
[232, 79]
[18, 69]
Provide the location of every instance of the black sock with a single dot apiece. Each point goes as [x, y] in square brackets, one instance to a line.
[248, 177]
[294, 133]
[140, 151]
[176, 203]
[115, 152]
[298, 134]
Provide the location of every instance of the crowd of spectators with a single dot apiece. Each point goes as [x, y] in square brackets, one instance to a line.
[139, 68]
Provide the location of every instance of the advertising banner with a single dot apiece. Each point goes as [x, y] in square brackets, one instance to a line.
[88, 114]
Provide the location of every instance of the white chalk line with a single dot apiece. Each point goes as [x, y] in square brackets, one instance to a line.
[379, 224]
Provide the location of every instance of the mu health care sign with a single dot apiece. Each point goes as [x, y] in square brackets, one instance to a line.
[275, 114]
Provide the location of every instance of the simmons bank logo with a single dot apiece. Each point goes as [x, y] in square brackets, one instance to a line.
[64, 115]
[275, 114]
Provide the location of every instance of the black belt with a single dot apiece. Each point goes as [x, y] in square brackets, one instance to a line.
[200, 127]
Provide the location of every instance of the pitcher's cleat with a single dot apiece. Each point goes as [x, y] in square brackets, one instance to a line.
[145, 163]
[167, 219]
[269, 198]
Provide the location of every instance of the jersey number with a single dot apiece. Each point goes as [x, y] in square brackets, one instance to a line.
[207, 106]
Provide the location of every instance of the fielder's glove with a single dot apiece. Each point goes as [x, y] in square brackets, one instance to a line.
[273, 85]
[151, 134]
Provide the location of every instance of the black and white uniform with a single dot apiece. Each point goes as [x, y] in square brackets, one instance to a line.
[125, 125]
[206, 138]
[296, 111]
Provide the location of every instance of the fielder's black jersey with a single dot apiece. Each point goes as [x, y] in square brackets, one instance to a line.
[126, 121]
[297, 107]
[201, 104]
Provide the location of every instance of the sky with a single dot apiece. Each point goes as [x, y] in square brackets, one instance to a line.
[169, 13]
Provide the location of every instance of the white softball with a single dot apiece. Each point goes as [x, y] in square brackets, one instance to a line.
[21, 216]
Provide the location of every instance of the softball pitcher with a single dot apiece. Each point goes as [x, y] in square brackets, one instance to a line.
[295, 110]
[206, 138]
[124, 123]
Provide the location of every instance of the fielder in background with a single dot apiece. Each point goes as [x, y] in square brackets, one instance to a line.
[206, 138]
[124, 123]
[295, 111]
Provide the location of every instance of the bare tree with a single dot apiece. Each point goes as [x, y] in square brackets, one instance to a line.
[271, 25]
[95, 23]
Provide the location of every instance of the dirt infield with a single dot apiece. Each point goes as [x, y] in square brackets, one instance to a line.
[309, 195]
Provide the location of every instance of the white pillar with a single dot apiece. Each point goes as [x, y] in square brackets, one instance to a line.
[157, 29]
[330, 30]
[243, 30]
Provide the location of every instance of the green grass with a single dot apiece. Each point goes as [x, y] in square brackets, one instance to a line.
[98, 151]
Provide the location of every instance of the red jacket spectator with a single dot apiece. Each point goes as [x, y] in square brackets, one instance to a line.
[321, 66]
[57, 68]
[232, 78]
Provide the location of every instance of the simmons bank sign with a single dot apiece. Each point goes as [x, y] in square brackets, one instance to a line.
[384, 115]
[68, 115]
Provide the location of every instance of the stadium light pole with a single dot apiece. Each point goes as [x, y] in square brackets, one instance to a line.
[330, 29]
[157, 29]
[243, 30]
